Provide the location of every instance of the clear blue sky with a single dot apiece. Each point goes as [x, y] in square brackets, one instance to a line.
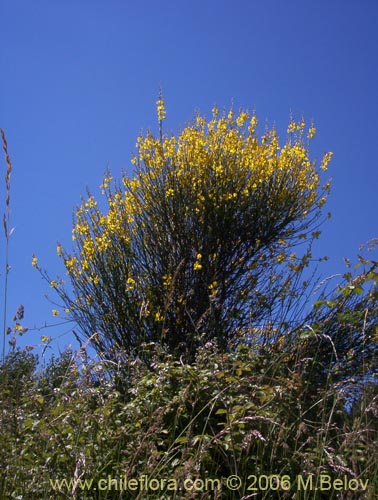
[79, 81]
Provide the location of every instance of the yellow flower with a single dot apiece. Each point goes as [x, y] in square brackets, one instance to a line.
[322, 201]
[103, 186]
[161, 109]
[55, 312]
[95, 279]
[280, 257]
[326, 159]
[34, 261]
[167, 280]
[213, 288]
[71, 264]
[241, 119]
[292, 127]
[311, 132]
[159, 317]
[254, 123]
[197, 266]
[130, 284]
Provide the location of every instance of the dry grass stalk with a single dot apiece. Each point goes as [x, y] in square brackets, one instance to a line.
[6, 220]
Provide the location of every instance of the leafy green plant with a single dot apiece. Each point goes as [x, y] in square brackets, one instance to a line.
[240, 413]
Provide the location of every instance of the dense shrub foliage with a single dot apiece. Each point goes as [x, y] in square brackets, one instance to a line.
[240, 413]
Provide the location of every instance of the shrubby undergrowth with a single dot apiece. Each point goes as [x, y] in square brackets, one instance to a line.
[244, 413]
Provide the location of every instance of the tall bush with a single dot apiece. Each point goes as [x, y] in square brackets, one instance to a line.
[200, 243]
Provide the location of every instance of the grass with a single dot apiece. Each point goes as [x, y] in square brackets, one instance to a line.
[6, 223]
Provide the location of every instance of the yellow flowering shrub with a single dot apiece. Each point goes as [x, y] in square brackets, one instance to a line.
[198, 243]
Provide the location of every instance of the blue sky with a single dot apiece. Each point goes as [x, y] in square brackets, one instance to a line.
[79, 81]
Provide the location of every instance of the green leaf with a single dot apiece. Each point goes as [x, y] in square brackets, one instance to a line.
[331, 303]
[306, 335]
[28, 423]
[182, 440]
